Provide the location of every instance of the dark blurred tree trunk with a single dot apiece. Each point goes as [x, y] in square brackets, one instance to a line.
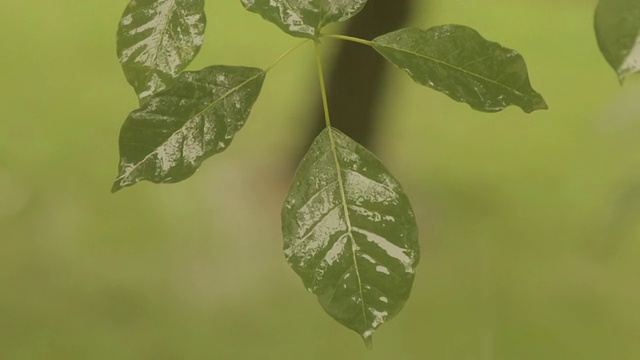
[354, 85]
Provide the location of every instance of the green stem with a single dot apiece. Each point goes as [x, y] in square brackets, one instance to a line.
[323, 87]
[278, 60]
[350, 38]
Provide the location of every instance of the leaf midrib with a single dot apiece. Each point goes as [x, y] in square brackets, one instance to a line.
[154, 62]
[348, 223]
[224, 96]
[441, 62]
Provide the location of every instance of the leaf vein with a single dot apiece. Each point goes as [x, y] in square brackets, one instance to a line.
[454, 67]
[347, 218]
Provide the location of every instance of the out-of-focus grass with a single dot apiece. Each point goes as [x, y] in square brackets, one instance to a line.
[529, 223]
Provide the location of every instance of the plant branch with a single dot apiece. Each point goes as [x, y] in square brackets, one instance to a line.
[279, 59]
[323, 87]
[350, 38]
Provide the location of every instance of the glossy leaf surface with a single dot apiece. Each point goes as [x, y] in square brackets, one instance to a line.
[157, 39]
[457, 61]
[304, 18]
[350, 234]
[617, 24]
[166, 140]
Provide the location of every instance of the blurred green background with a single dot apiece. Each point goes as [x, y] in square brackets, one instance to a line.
[529, 223]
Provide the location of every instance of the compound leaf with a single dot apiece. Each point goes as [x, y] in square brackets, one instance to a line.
[617, 24]
[457, 61]
[157, 39]
[304, 18]
[350, 234]
[166, 139]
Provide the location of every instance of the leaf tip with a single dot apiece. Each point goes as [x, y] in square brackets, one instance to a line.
[539, 104]
[116, 187]
[544, 105]
[621, 78]
[367, 337]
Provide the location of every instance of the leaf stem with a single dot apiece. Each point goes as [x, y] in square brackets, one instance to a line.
[323, 86]
[350, 38]
[279, 59]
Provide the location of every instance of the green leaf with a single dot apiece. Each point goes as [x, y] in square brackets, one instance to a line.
[617, 24]
[157, 39]
[166, 140]
[350, 234]
[457, 61]
[304, 18]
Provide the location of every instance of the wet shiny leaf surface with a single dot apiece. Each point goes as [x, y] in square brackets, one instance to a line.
[304, 18]
[617, 24]
[350, 234]
[157, 39]
[457, 61]
[166, 140]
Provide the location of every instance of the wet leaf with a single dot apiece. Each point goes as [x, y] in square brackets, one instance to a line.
[350, 234]
[304, 18]
[617, 24]
[166, 140]
[457, 61]
[157, 39]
